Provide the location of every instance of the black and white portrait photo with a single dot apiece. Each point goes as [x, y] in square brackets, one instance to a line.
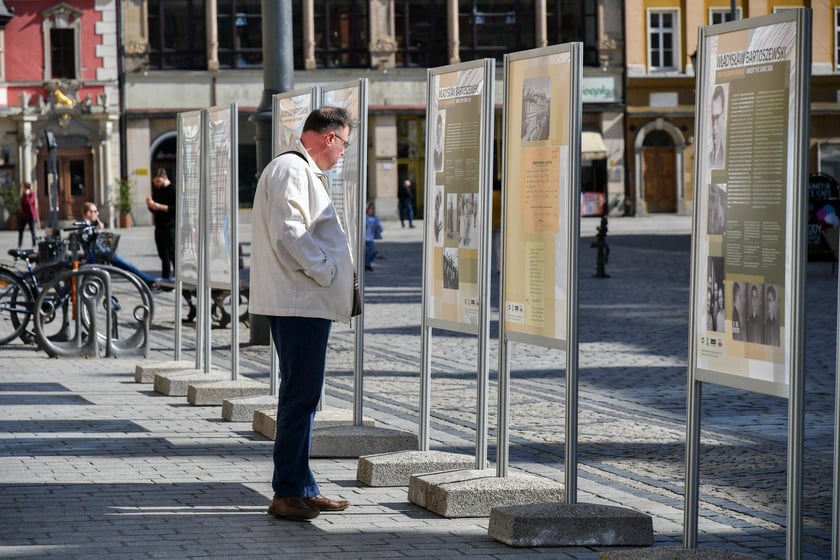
[440, 133]
[717, 151]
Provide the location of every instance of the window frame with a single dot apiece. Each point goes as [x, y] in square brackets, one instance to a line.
[357, 52]
[469, 33]
[161, 55]
[725, 13]
[431, 55]
[233, 56]
[62, 17]
[675, 39]
[589, 33]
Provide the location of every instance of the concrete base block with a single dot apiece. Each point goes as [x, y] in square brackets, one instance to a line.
[395, 469]
[355, 441]
[177, 384]
[242, 409]
[144, 372]
[265, 422]
[675, 553]
[330, 417]
[265, 419]
[474, 493]
[558, 524]
[213, 393]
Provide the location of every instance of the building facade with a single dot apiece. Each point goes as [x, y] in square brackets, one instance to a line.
[195, 53]
[661, 38]
[59, 84]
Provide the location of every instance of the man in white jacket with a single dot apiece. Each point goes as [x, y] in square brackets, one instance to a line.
[302, 280]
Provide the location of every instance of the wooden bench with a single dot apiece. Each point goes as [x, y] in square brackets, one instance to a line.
[218, 312]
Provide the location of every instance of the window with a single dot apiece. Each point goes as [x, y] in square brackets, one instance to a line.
[63, 53]
[721, 15]
[491, 29]
[662, 39]
[420, 33]
[240, 33]
[341, 34]
[177, 35]
[62, 30]
[574, 20]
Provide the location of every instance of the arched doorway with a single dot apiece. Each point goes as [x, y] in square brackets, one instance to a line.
[659, 173]
[659, 149]
[164, 153]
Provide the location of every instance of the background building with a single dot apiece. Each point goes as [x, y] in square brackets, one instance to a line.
[108, 79]
[193, 53]
[59, 74]
[661, 40]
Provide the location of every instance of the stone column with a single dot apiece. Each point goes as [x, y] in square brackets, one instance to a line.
[27, 152]
[211, 18]
[108, 180]
[382, 171]
[382, 44]
[308, 35]
[453, 34]
[540, 24]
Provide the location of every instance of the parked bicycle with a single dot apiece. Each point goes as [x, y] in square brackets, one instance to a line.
[67, 300]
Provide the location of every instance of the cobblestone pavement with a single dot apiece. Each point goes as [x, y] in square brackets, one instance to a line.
[94, 465]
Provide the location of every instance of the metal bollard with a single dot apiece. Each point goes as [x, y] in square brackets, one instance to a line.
[603, 249]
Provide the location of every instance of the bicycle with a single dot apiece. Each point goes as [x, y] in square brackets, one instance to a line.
[18, 291]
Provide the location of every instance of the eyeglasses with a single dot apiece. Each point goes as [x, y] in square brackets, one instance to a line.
[345, 142]
[94, 211]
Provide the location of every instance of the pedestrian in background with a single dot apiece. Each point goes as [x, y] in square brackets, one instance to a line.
[28, 214]
[373, 231]
[162, 206]
[405, 198]
[302, 280]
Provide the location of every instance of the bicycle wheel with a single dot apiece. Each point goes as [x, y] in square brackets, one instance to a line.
[15, 306]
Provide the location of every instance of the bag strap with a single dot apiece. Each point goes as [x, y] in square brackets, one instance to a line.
[295, 152]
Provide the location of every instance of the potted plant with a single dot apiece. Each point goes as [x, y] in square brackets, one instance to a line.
[124, 202]
[11, 204]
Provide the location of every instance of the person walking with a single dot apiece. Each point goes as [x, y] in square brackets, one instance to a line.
[302, 280]
[405, 201]
[162, 205]
[28, 214]
[373, 231]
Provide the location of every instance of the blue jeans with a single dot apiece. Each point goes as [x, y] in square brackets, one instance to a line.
[406, 212]
[301, 344]
[370, 252]
[119, 262]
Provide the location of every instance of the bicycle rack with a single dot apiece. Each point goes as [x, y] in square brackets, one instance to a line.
[93, 291]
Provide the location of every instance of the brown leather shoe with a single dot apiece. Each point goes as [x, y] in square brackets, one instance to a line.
[326, 504]
[292, 507]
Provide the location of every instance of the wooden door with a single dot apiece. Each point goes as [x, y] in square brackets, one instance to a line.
[75, 183]
[660, 181]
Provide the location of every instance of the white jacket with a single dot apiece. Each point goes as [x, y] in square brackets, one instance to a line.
[301, 265]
